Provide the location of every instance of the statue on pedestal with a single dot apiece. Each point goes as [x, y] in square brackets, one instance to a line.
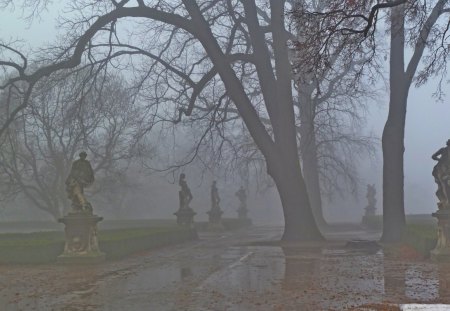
[371, 200]
[242, 196]
[81, 175]
[215, 199]
[185, 194]
[185, 214]
[81, 224]
[441, 174]
[215, 213]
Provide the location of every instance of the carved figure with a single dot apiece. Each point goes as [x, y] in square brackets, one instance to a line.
[215, 199]
[371, 200]
[441, 174]
[184, 193]
[81, 175]
[242, 196]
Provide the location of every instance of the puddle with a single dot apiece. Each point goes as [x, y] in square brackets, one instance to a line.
[214, 276]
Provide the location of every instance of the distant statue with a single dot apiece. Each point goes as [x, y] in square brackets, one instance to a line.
[441, 174]
[184, 193]
[371, 200]
[215, 199]
[242, 196]
[81, 175]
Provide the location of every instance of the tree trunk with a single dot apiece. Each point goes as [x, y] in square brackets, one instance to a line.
[393, 135]
[280, 152]
[311, 175]
[285, 170]
[308, 152]
[393, 176]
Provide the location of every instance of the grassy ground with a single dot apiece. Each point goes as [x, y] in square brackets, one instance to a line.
[422, 237]
[227, 223]
[117, 239]
[44, 247]
[420, 233]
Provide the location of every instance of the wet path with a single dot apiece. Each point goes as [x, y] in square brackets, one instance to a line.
[229, 271]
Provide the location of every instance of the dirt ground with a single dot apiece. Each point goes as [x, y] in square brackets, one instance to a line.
[236, 271]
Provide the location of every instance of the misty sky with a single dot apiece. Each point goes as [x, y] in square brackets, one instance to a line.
[427, 128]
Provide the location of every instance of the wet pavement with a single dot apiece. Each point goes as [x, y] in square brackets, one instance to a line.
[234, 271]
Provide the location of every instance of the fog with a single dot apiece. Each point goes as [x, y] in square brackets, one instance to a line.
[118, 120]
[426, 131]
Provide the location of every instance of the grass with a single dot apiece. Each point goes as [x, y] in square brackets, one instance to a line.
[420, 231]
[227, 223]
[44, 247]
[422, 237]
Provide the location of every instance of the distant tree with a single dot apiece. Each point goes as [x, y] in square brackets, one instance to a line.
[188, 46]
[414, 26]
[67, 113]
[176, 51]
[331, 103]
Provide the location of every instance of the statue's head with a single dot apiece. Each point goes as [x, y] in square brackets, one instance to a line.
[214, 182]
[83, 155]
[448, 142]
[182, 176]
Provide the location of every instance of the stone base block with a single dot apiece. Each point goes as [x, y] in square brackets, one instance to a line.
[242, 213]
[81, 245]
[440, 255]
[185, 216]
[215, 216]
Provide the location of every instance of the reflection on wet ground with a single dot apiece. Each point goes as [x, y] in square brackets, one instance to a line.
[230, 272]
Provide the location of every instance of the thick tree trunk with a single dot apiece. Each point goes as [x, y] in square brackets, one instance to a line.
[393, 135]
[299, 220]
[280, 151]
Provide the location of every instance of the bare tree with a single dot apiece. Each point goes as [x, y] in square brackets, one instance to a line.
[414, 25]
[221, 40]
[67, 113]
[332, 98]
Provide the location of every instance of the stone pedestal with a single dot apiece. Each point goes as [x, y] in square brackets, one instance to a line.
[370, 211]
[81, 239]
[185, 216]
[442, 249]
[215, 215]
[242, 212]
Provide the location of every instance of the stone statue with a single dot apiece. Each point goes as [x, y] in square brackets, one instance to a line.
[371, 200]
[184, 193]
[441, 174]
[215, 213]
[215, 199]
[81, 175]
[185, 214]
[242, 196]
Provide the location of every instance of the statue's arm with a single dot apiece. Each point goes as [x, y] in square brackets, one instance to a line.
[436, 155]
